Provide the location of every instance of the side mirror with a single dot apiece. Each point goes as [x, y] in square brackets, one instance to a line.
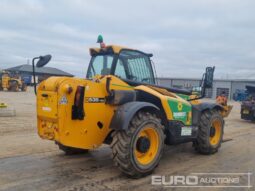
[209, 77]
[43, 60]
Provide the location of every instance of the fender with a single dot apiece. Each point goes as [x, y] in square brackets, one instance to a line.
[204, 106]
[198, 109]
[124, 114]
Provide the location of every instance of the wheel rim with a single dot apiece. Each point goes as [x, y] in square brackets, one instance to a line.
[215, 132]
[150, 139]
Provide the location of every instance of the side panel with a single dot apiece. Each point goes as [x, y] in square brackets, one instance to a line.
[175, 107]
[181, 111]
[90, 132]
[47, 105]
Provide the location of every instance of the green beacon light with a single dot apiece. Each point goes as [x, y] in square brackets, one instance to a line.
[101, 41]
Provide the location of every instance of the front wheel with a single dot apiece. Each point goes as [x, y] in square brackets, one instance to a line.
[210, 132]
[137, 150]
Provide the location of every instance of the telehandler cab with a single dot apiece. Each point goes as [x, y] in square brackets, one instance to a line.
[120, 104]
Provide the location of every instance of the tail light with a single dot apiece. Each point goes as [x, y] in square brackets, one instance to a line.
[78, 107]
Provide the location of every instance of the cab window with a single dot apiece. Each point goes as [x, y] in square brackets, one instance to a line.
[135, 66]
[100, 65]
[120, 70]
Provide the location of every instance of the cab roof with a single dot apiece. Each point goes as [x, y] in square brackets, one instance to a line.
[115, 49]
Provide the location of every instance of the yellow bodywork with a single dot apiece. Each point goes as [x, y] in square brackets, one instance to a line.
[114, 48]
[54, 117]
[165, 96]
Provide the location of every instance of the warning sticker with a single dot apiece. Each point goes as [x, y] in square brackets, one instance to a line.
[186, 131]
[63, 100]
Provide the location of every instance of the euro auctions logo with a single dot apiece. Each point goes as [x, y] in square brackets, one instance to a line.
[204, 180]
[174, 180]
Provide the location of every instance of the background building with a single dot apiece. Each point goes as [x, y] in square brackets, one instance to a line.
[26, 72]
[219, 85]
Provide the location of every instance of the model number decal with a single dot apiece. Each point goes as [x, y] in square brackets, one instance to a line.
[94, 100]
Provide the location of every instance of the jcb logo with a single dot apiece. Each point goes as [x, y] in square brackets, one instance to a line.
[179, 106]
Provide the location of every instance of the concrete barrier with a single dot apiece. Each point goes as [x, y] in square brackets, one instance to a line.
[7, 112]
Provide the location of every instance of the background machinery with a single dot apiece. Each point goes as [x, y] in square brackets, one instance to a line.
[11, 82]
[119, 104]
[248, 105]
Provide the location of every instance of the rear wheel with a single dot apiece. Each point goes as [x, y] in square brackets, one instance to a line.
[210, 132]
[24, 87]
[137, 150]
[14, 86]
[70, 150]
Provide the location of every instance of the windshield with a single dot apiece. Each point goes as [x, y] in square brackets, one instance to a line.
[100, 65]
[131, 65]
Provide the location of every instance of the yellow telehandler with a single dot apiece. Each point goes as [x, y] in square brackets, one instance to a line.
[11, 83]
[120, 104]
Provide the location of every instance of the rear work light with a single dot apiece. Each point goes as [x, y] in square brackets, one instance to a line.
[78, 107]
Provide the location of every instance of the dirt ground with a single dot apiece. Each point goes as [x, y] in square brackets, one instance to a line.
[29, 163]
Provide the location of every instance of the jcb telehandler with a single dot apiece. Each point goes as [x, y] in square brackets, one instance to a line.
[120, 104]
[11, 83]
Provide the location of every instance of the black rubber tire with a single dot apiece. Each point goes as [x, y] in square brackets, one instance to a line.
[13, 86]
[124, 141]
[24, 87]
[202, 144]
[70, 150]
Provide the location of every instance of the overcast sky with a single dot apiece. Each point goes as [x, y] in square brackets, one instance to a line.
[184, 36]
